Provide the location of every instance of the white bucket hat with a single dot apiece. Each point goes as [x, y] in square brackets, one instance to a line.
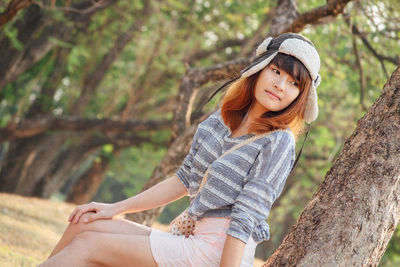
[297, 46]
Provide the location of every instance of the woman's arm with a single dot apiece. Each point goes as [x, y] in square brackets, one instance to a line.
[160, 194]
[233, 252]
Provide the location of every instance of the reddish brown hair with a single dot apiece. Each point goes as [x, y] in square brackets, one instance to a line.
[240, 96]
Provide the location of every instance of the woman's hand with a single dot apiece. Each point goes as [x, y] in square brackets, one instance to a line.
[99, 210]
[161, 194]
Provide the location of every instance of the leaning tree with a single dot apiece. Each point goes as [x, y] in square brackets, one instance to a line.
[351, 218]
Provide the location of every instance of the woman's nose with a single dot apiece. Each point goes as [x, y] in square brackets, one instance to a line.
[279, 84]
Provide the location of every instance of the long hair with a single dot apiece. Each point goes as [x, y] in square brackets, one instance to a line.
[241, 95]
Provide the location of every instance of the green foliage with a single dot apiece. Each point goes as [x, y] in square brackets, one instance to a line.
[12, 34]
[391, 258]
[172, 210]
[129, 172]
[107, 149]
[77, 57]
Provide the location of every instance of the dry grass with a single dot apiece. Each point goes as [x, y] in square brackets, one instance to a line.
[30, 228]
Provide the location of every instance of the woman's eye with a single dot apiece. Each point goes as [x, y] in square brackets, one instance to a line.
[295, 83]
[276, 71]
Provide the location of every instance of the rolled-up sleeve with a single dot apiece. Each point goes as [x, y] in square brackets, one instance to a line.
[263, 185]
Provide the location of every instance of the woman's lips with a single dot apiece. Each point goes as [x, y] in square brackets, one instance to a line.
[272, 95]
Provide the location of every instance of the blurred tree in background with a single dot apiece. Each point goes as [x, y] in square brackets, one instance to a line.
[98, 99]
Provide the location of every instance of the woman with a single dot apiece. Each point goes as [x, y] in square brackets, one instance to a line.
[274, 96]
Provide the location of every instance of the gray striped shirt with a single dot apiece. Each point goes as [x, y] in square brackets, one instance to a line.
[243, 184]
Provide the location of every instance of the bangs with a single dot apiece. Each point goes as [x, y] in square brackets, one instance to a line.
[292, 66]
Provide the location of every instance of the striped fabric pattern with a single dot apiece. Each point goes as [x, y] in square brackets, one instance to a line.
[243, 184]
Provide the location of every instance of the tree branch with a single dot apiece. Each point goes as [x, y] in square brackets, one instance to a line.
[380, 57]
[318, 15]
[363, 86]
[95, 5]
[220, 46]
[30, 127]
[12, 9]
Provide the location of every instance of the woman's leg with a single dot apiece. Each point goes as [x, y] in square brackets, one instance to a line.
[116, 226]
[105, 249]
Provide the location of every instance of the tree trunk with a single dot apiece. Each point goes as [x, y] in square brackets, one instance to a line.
[19, 156]
[42, 157]
[88, 184]
[351, 218]
[64, 165]
[20, 165]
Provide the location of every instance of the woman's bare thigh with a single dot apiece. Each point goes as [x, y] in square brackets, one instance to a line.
[115, 226]
[111, 249]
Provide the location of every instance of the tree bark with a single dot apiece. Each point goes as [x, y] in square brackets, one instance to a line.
[351, 218]
[319, 15]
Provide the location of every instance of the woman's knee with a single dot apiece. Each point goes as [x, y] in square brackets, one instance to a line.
[80, 227]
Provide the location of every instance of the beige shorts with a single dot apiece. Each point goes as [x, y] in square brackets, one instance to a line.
[203, 248]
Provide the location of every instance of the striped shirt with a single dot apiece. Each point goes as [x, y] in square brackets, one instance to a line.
[243, 184]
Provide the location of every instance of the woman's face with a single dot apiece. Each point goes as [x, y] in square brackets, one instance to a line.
[275, 89]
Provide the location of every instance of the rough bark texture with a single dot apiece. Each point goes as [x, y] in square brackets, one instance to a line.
[351, 218]
[285, 14]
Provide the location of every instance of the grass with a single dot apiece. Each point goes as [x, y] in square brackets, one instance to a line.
[30, 228]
